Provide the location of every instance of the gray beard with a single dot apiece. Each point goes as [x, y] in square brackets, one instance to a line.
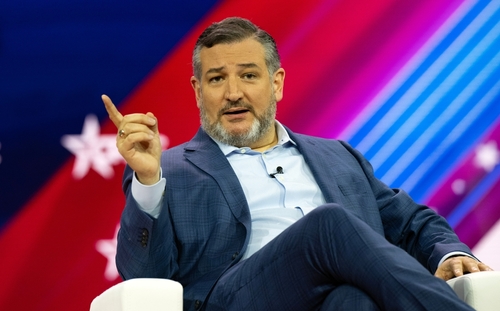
[260, 126]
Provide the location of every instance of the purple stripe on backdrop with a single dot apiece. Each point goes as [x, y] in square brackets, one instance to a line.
[413, 32]
[482, 217]
[474, 198]
[467, 175]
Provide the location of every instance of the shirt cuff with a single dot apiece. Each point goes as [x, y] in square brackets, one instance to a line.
[452, 254]
[149, 197]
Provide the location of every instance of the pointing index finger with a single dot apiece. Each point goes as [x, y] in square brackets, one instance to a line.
[113, 113]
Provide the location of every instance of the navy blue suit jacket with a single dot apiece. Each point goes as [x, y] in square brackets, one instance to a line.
[204, 226]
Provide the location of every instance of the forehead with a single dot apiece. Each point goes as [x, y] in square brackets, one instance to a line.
[233, 54]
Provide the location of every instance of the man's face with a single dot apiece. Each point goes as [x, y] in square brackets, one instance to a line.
[236, 96]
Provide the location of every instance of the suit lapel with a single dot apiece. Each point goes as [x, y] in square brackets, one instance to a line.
[204, 153]
[321, 166]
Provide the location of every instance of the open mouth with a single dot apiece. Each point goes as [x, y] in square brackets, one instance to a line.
[236, 111]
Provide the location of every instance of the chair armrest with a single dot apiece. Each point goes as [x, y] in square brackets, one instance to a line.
[480, 290]
[139, 295]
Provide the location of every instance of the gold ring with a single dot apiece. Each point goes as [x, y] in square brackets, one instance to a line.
[121, 133]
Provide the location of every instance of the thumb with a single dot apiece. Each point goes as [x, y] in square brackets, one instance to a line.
[154, 127]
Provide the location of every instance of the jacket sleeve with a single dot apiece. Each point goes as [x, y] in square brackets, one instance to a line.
[414, 227]
[144, 248]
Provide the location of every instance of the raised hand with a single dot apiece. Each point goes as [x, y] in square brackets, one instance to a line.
[138, 141]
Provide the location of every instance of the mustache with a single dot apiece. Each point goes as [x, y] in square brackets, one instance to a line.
[235, 104]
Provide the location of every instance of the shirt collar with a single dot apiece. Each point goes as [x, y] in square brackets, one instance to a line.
[283, 138]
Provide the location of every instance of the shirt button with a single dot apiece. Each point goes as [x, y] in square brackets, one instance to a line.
[235, 255]
[243, 150]
[197, 304]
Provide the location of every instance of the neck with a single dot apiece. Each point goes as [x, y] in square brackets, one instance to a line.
[267, 143]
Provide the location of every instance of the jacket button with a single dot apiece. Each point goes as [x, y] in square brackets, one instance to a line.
[235, 255]
[144, 237]
[197, 304]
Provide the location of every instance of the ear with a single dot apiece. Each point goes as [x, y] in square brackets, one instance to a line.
[197, 90]
[278, 83]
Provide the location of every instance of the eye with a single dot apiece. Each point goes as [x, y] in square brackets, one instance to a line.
[215, 79]
[249, 76]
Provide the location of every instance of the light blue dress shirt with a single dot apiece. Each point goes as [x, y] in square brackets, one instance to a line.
[275, 202]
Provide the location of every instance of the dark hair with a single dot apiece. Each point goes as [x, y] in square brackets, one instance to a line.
[231, 30]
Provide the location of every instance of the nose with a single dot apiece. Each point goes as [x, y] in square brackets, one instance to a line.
[233, 90]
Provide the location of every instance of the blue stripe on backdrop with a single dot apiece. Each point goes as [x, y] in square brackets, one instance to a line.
[456, 139]
[441, 109]
[477, 194]
[56, 58]
[412, 86]
[453, 106]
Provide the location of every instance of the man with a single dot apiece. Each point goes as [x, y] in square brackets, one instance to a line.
[251, 216]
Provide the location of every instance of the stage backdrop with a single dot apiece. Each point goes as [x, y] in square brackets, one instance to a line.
[414, 85]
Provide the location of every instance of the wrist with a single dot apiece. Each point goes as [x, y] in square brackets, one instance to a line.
[148, 179]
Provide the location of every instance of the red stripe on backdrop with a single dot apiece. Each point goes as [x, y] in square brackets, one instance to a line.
[50, 260]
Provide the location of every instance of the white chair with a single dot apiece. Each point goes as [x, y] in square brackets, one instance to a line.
[140, 295]
[480, 290]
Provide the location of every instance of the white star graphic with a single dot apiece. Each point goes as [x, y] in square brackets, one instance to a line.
[95, 150]
[92, 150]
[487, 156]
[108, 249]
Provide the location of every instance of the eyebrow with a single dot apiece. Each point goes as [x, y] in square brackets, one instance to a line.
[220, 69]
